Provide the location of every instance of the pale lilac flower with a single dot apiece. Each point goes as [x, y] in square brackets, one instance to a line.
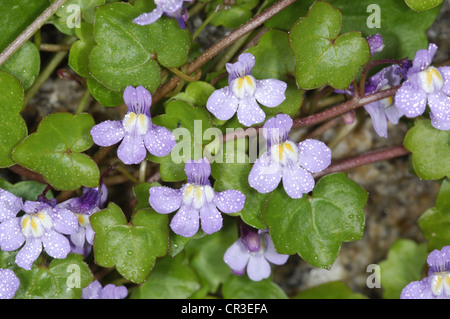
[243, 92]
[287, 160]
[95, 291]
[196, 200]
[437, 284]
[83, 207]
[171, 8]
[426, 83]
[136, 131]
[375, 43]
[42, 224]
[384, 110]
[252, 252]
[9, 283]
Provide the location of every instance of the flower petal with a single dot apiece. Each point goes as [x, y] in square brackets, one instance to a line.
[185, 222]
[9, 283]
[79, 238]
[265, 174]
[297, 181]
[229, 201]
[440, 106]
[92, 291]
[159, 141]
[393, 114]
[111, 291]
[258, 268]
[64, 221]
[271, 254]
[314, 155]
[236, 257]
[445, 72]
[423, 59]
[132, 149]
[138, 100]
[11, 237]
[378, 116]
[10, 205]
[417, 290]
[29, 253]
[241, 68]
[55, 244]
[270, 92]
[149, 17]
[249, 112]
[210, 218]
[440, 125]
[198, 171]
[410, 99]
[108, 133]
[222, 104]
[164, 199]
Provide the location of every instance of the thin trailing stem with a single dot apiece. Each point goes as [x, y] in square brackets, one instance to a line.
[30, 30]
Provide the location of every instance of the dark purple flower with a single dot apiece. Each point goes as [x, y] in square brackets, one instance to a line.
[196, 200]
[252, 252]
[243, 93]
[83, 207]
[287, 160]
[42, 224]
[384, 110]
[437, 284]
[136, 131]
[9, 283]
[426, 83]
[95, 291]
[171, 8]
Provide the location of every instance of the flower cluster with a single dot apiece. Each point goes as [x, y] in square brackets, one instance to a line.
[437, 284]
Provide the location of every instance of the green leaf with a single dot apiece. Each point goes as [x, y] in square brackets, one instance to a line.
[231, 16]
[196, 93]
[315, 227]
[55, 151]
[435, 222]
[403, 265]
[13, 128]
[191, 122]
[329, 290]
[171, 278]
[430, 150]
[322, 56]
[62, 279]
[422, 5]
[129, 54]
[132, 248]
[241, 287]
[27, 190]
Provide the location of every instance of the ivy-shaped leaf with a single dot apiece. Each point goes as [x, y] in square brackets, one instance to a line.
[435, 222]
[130, 54]
[130, 247]
[316, 226]
[422, 5]
[13, 128]
[27, 190]
[241, 287]
[322, 56]
[55, 151]
[430, 150]
[404, 264]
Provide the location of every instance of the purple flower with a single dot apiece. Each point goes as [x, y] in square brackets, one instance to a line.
[243, 92]
[136, 131]
[90, 202]
[42, 224]
[384, 110]
[426, 83]
[287, 160]
[171, 8]
[252, 252]
[437, 284]
[196, 200]
[110, 291]
[375, 43]
[9, 283]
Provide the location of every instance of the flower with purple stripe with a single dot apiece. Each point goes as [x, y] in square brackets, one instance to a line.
[196, 200]
[95, 291]
[136, 131]
[437, 284]
[384, 110]
[9, 283]
[426, 83]
[41, 225]
[83, 207]
[170, 8]
[285, 160]
[252, 252]
[243, 92]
